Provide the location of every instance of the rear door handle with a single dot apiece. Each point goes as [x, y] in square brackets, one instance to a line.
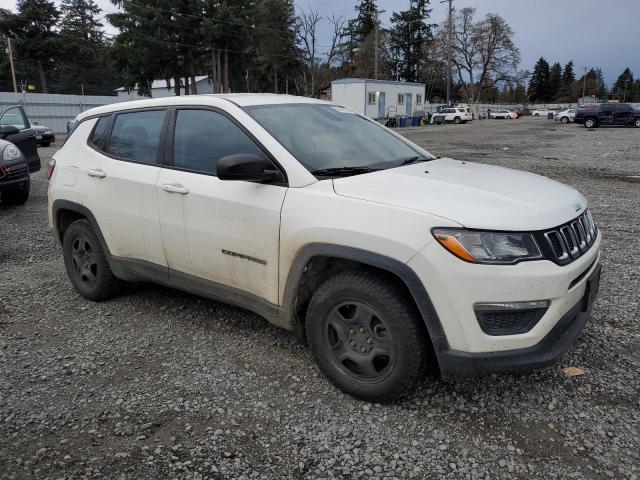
[175, 188]
[96, 173]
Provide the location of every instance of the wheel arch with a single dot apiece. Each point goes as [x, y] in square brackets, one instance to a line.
[315, 263]
[65, 212]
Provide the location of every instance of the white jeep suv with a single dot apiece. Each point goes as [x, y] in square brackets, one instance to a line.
[384, 258]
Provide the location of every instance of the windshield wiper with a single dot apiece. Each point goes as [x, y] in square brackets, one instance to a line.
[340, 171]
[409, 160]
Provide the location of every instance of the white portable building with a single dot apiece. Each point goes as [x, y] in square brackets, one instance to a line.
[379, 98]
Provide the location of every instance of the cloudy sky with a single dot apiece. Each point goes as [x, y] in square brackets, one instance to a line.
[590, 32]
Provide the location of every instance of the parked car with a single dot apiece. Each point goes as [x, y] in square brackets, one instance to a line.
[565, 116]
[14, 175]
[453, 114]
[540, 112]
[511, 115]
[383, 257]
[15, 128]
[604, 114]
[44, 135]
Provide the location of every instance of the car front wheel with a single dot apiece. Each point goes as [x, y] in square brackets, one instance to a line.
[564, 120]
[366, 336]
[590, 123]
[86, 263]
[637, 122]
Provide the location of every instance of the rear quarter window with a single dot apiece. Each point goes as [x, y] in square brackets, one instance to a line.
[98, 138]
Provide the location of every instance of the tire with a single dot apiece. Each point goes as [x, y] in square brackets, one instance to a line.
[590, 123]
[86, 263]
[536, 114]
[16, 195]
[456, 120]
[564, 120]
[636, 122]
[373, 315]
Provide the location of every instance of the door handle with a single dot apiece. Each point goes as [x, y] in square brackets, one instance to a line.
[175, 188]
[96, 173]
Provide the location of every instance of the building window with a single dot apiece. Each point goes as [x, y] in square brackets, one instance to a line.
[372, 98]
[419, 98]
[401, 99]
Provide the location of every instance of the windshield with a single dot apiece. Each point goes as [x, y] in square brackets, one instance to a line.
[325, 137]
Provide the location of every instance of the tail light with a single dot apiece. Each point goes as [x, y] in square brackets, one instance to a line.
[51, 165]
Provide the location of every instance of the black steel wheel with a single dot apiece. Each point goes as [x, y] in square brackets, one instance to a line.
[86, 262]
[358, 341]
[366, 336]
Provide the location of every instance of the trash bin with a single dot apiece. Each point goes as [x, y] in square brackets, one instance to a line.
[550, 115]
[403, 121]
[415, 122]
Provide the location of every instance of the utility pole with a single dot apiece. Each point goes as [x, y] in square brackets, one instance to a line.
[375, 46]
[449, 48]
[13, 69]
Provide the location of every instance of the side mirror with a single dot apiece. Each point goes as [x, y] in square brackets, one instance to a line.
[6, 130]
[246, 166]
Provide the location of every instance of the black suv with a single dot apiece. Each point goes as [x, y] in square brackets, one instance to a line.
[14, 175]
[15, 128]
[592, 116]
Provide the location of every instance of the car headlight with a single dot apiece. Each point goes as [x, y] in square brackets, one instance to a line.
[11, 153]
[488, 247]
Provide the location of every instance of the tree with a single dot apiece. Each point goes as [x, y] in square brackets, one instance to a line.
[365, 22]
[33, 30]
[622, 87]
[356, 33]
[84, 63]
[483, 52]
[555, 81]
[409, 37]
[539, 84]
[568, 77]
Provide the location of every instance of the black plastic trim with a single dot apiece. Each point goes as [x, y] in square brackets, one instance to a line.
[402, 270]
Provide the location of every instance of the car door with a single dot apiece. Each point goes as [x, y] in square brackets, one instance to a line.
[606, 114]
[217, 233]
[117, 174]
[25, 139]
[622, 114]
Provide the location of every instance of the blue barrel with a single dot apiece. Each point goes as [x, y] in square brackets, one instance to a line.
[403, 121]
[415, 122]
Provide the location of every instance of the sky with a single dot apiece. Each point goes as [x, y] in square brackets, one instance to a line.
[592, 33]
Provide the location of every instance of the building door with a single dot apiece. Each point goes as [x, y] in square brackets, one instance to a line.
[409, 104]
[381, 105]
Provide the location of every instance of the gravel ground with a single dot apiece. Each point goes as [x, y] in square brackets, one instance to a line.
[161, 384]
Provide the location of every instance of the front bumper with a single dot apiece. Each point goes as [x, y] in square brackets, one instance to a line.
[559, 339]
[455, 287]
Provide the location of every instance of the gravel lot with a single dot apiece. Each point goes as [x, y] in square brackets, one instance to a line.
[161, 384]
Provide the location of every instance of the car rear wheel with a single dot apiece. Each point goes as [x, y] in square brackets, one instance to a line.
[366, 337]
[590, 123]
[456, 120]
[86, 263]
[16, 194]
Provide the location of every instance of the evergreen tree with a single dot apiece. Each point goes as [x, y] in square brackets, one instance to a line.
[35, 38]
[568, 78]
[555, 81]
[409, 35]
[365, 21]
[84, 64]
[539, 83]
[622, 87]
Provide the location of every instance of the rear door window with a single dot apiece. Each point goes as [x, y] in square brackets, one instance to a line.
[135, 136]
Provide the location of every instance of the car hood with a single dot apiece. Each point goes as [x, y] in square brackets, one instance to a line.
[472, 194]
[39, 128]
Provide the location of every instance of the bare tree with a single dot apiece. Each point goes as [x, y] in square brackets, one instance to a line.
[483, 52]
[317, 72]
